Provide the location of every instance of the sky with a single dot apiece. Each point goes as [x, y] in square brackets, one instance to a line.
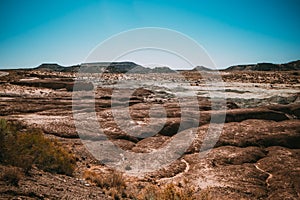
[66, 31]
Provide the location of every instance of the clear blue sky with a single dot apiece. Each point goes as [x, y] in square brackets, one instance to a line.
[65, 31]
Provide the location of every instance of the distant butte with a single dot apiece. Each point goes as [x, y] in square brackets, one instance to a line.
[291, 66]
[131, 67]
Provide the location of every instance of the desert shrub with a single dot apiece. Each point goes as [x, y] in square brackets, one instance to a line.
[113, 183]
[11, 175]
[115, 180]
[168, 192]
[111, 180]
[7, 135]
[23, 149]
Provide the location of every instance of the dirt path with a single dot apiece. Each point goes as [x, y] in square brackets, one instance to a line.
[187, 168]
[269, 177]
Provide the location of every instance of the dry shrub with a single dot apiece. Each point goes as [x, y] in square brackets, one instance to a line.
[168, 192]
[23, 149]
[111, 180]
[11, 175]
[113, 183]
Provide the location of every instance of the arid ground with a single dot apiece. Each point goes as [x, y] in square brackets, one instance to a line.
[257, 155]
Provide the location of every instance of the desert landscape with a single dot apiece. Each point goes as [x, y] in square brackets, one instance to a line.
[256, 156]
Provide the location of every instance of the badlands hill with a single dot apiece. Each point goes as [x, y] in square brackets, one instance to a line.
[107, 67]
[131, 67]
[291, 66]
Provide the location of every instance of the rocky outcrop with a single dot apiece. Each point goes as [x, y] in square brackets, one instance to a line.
[202, 68]
[162, 70]
[56, 84]
[50, 67]
[291, 66]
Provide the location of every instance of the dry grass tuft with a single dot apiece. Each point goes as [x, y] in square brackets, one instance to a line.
[112, 180]
[113, 183]
[167, 192]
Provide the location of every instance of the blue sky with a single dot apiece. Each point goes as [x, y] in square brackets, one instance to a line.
[65, 31]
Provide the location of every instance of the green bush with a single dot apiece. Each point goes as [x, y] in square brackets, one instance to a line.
[23, 149]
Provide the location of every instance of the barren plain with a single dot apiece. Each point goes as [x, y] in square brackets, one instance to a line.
[257, 155]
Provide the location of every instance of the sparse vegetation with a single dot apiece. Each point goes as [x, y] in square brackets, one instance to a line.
[113, 183]
[167, 192]
[111, 180]
[26, 148]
